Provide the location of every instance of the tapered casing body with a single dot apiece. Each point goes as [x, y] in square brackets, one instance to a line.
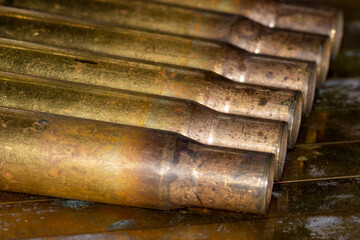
[279, 14]
[230, 62]
[95, 161]
[123, 107]
[203, 87]
[234, 29]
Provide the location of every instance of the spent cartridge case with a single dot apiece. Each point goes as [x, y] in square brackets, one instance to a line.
[233, 63]
[203, 87]
[278, 14]
[123, 107]
[95, 161]
[234, 29]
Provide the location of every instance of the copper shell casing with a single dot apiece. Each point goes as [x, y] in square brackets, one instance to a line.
[234, 29]
[228, 61]
[279, 14]
[95, 161]
[123, 107]
[206, 88]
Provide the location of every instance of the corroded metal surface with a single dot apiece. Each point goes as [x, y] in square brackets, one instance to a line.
[279, 14]
[206, 88]
[225, 60]
[318, 197]
[298, 208]
[124, 107]
[119, 164]
[310, 209]
[236, 30]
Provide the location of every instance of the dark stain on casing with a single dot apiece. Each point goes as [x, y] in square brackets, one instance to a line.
[118, 164]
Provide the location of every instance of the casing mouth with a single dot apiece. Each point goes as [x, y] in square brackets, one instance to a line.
[269, 182]
[295, 120]
[311, 86]
[324, 62]
[337, 33]
[281, 151]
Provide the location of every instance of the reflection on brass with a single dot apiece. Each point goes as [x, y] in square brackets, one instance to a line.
[186, 118]
[236, 30]
[89, 160]
[278, 14]
[223, 59]
[206, 88]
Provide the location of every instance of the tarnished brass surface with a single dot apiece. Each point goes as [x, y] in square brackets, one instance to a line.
[233, 29]
[119, 164]
[279, 14]
[223, 59]
[123, 107]
[317, 198]
[298, 208]
[206, 88]
[323, 11]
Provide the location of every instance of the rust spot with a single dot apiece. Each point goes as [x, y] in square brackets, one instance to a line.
[7, 176]
[242, 67]
[263, 101]
[270, 75]
[249, 91]
[41, 124]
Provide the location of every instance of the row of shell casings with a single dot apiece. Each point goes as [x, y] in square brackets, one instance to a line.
[117, 86]
[323, 25]
[281, 14]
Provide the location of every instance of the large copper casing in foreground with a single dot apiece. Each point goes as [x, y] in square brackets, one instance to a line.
[279, 14]
[234, 29]
[88, 160]
[124, 107]
[223, 59]
[206, 88]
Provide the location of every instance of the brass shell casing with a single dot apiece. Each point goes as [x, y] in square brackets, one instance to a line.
[279, 14]
[236, 30]
[223, 59]
[95, 161]
[203, 87]
[123, 107]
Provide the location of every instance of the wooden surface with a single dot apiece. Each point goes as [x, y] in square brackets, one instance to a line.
[317, 198]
